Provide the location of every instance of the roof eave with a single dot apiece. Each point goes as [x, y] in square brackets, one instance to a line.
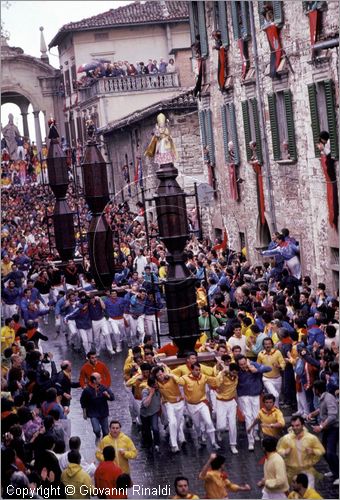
[61, 34]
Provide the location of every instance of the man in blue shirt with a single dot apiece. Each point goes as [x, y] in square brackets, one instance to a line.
[10, 298]
[137, 315]
[249, 389]
[100, 325]
[114, 307]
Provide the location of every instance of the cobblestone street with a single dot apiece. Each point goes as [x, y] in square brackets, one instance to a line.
[150, 469]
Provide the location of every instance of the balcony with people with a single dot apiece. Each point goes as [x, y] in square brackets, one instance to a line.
[105, 77]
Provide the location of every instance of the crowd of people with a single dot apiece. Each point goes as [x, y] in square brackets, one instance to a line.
[123, 68]
[271, 338]
[29, 167]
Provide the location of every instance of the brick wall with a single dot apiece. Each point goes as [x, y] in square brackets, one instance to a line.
[184, 68]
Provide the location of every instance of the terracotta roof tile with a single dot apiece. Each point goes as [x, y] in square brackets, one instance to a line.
[133, 13]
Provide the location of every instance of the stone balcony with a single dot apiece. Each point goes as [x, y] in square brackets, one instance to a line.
[123, 84]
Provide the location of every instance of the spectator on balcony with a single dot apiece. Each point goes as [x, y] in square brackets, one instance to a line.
[151, 67]
[156, 69]
[109, 69]
[125, 66]
[131, 71]
[121, 68]
[143, 70]
[162, 66]
[171, 68]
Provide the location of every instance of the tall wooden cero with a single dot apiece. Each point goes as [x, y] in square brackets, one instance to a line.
[180, 290]
[96, 191]
[58, 181]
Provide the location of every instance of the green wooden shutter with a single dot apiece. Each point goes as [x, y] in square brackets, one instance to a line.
[202, 28]
[234, 136]
[257, 129]
[225, 132]
[202, 128]
[278, 12]
[246, 126]
[290, 124]
[314, 115]
[192, 6]
[331, 118]
[210, 136]
[245, 20]
[223, 23]
[201, 119]
[235, 20]
[274, 127]
[260, 6]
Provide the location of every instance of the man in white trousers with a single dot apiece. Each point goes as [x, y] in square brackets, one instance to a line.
[10, 299]
[83, 322]
[173, 404]
[137, 316]
[249, 388]
[194, 386]
[273, 358]
[114, 307]
[226, 406]
[100, 326]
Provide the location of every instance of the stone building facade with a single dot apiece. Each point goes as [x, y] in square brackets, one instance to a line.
[280, 98]
[135, 32]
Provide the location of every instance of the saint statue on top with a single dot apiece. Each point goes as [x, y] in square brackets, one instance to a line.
[161, 147]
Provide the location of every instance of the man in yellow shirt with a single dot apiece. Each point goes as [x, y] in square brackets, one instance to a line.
[275, 481]
[226, 406]
[215, 479]
[138, 382]
[186, 369]
[195, 395]
[123, 445]
[270, 417]
[7, 334]
[173, 403]
[182, 489]
[6, 266]
[273, 358]
[300, 488]
[301, 450]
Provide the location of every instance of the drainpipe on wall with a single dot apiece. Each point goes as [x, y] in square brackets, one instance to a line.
[168, 38]
[259, 95]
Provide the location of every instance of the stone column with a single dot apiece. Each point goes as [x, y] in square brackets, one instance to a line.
[37, 130]
[47, 130]
[25, 123]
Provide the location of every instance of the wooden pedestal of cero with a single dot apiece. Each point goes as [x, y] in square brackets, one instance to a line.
[206, 358]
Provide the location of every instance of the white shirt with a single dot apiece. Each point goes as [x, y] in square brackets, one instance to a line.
[238, 341]
[140, 262]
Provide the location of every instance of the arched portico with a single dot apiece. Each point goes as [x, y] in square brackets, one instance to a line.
[29, 80]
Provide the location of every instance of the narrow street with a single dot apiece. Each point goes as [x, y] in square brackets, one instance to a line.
[151, 470]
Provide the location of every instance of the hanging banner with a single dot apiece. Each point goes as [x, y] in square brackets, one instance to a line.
[273, 35]
[328, 168]
[233, 182]
[260, 191]
[222, 68]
